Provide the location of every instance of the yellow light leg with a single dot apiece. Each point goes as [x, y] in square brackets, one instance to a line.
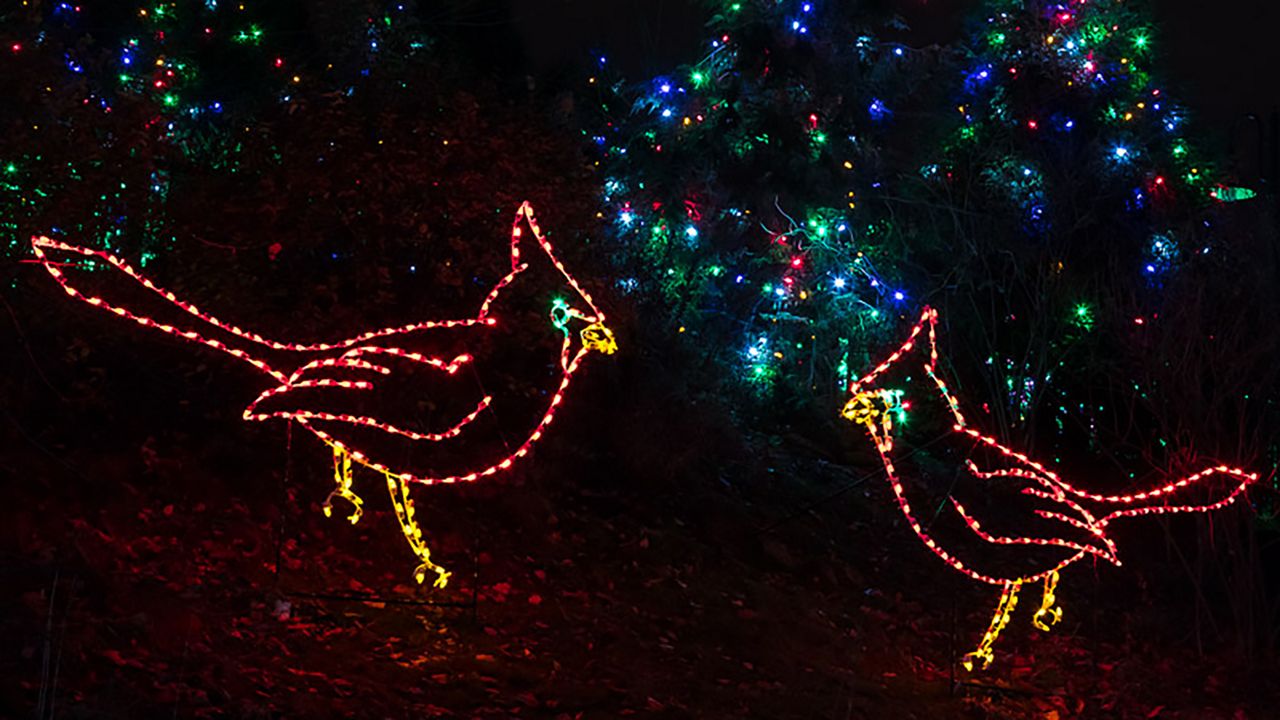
[342, 478]
[399, 489]
[1008, 601]
[1048, 608]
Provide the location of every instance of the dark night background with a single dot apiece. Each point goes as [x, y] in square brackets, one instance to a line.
[660, 556]
[1223, 56]
[1223, 61]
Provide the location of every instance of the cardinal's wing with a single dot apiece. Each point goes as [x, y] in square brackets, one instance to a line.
[1006, 462]
[1038, 511]
[326, 389]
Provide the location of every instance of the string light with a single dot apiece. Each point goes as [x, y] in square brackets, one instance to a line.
[723, 241]
[1004, 608]
[869, 407]
[355, 357]
[342, 475]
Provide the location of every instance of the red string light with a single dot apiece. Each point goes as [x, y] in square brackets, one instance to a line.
[872, 407]
[358, 358]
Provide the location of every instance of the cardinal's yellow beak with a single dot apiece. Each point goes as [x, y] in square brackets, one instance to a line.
[599, 338]
[864, 407]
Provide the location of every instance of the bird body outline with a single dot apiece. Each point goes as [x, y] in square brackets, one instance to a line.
[1064, 503]
[366, 353]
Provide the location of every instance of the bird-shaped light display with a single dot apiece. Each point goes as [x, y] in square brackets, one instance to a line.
[1046, 523]
[308, 378]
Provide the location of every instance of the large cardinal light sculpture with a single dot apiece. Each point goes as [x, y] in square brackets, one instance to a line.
[355, 367]
[1070, 524]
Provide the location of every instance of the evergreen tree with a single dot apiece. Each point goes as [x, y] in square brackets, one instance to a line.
[739, 191]
[1073, 195]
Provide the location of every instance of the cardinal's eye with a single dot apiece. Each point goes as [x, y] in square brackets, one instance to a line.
[560, 314]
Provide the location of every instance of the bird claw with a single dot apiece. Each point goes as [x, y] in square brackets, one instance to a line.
[342, 478]
[442, 575]
[983, 654]
[357, 504]
[1048, 604]
[1054, 614]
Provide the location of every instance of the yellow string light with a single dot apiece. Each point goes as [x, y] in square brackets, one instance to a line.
[599, 338]
[1008, 601]
[1048, 606]
[342, 478]
[398, 487]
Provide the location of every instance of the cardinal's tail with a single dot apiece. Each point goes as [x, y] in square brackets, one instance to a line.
[1230, 486]
[47, 251]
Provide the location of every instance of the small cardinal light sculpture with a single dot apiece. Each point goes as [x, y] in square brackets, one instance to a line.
[354, 366]
[1082, 519]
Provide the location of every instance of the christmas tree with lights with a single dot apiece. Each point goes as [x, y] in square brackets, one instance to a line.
[737, 191]
[1073, 193]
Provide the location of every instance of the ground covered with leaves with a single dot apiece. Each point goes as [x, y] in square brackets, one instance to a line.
[162, 558]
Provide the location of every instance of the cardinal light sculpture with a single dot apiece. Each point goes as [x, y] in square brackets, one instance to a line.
[359, 365]
[1072, 524]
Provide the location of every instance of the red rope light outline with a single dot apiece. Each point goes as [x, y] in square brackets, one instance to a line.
[869, 408]
[359, 356]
